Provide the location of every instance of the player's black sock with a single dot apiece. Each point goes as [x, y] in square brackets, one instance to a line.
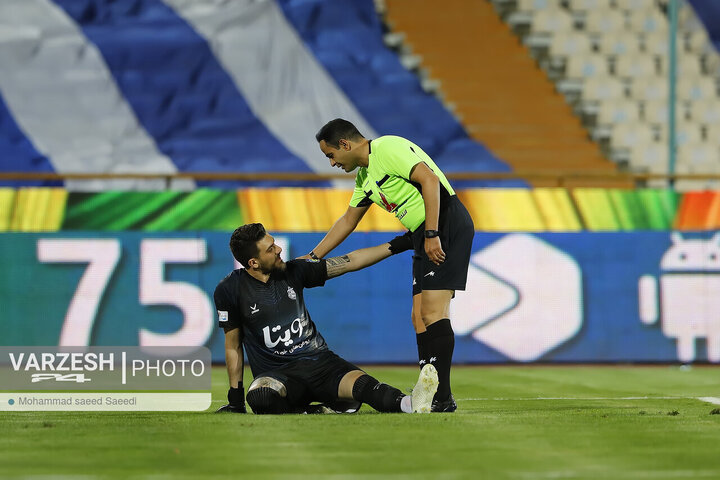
[440, 345]
[381, 396]
[422, 340]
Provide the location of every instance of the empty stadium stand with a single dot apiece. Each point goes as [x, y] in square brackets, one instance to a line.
[610, 60]
[502, 97]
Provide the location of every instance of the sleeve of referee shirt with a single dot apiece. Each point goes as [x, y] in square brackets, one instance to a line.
[398, 157]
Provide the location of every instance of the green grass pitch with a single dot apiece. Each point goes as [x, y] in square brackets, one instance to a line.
[513, 422]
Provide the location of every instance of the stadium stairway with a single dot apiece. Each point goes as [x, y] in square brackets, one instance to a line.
[504, 100]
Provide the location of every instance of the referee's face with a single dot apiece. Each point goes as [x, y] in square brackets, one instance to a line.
[341, 157]
[269, 255]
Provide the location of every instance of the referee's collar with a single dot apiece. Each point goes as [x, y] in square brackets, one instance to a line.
[369, 147]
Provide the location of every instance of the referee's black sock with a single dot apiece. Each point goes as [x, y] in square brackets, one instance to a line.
[422, 347]
[440, 346]
[381, 396]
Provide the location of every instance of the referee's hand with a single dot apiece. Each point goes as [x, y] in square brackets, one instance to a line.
[434, 251]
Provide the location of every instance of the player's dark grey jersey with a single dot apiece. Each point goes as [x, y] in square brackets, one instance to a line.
[276, 327]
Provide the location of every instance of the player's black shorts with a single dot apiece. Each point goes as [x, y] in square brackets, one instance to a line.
[456, 236]
[312, 379]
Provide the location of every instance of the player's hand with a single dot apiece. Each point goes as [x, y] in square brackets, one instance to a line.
[304, 257]
[434, 250]
[227, 408]
[401, 243]
[236, 401]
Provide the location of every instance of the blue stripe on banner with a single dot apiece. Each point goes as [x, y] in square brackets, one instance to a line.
[350, 47]
[708, 13]
[178, 89]
[17, 153]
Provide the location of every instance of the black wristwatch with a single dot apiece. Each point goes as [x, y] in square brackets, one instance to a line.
[432, 233]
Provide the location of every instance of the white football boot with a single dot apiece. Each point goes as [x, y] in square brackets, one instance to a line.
[425, 388]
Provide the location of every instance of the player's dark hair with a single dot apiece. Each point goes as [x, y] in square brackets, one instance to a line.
[335, 130]
[243, 242]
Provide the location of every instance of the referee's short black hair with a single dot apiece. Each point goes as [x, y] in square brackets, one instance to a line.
[243, 242]
[337, 129]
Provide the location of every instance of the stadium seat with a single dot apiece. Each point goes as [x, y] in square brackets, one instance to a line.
[586, 66]
[707, 112]
[618, 111]
[633, 5]
[696, 89]
[656, 43]
[652, 156]
[687, 133]
[712, 134]
[627, 136]
[579, 68]
[619, 43]
[649, 89]
[545, 23]
[647, 21]
[633, 66]
[569, 44]
[588, 5]
[604, 22]
[700, 157]
[697, 41]
[655, 112]
[688, 66]
[597, 90]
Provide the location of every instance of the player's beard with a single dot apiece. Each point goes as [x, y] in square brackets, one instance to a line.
[278, 267]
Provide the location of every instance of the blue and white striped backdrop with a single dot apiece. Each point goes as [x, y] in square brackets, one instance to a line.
[204, 85]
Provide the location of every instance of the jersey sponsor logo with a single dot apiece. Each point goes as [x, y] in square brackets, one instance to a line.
[254, 309]
[390, 207]
[296, 327]
[430, 274]
[222, 316]
[291, 294]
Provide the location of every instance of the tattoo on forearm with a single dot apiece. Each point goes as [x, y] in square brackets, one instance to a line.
[337, 265]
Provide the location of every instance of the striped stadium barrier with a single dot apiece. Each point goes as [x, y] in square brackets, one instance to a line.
[35, 209]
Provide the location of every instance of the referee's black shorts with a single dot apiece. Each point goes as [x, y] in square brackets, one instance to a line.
[456, 236]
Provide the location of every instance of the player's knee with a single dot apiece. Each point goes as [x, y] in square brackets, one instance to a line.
[267, 395]
[431, 312]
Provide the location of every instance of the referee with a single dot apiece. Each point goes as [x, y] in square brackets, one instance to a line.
[400, 177]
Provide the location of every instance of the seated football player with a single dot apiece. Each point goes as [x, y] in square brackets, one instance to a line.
[262, 312]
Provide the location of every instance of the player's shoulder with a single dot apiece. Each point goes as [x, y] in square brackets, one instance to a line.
[230, 280]
[302, 264]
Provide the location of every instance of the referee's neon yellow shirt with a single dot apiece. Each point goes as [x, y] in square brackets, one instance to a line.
[386, 180]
